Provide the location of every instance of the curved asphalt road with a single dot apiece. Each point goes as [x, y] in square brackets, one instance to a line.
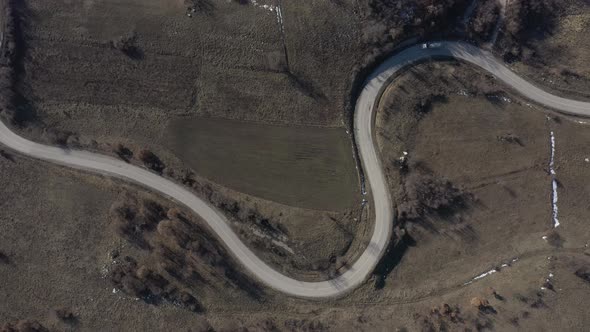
[363, 123]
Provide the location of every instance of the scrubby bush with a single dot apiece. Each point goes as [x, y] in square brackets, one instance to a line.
[151, 161]
[123, 152]
[424, 194]
[583, 273]
[132, 219]
[418, 17]
[4, 258]
[59, 137]
[127, 45]
[65, 314]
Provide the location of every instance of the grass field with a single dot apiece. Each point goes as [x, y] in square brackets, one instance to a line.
[226, 61]
[308, 167]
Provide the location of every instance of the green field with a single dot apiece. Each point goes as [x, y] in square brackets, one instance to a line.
[308, 167]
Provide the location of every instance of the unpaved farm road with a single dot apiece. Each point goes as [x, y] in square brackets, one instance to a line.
[363, 123]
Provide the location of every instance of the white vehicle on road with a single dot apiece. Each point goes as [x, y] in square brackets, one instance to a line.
[431, 45]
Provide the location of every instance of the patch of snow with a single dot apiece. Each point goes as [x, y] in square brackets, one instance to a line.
[483, 275]
[492, 271]
[554, 197]
[270, 8]
[278, 242]
[280, 19]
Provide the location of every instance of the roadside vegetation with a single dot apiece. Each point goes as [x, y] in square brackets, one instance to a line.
[176, 256]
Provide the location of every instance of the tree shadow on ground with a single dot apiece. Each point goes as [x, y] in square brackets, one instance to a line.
[393, 256]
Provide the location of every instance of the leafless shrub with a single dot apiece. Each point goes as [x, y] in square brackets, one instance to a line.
[65, 314]
[583, 273]
[424, 105]
[482, 305]
[123, 152]
[510, 138]
[132, 219]
[151, 161]
[127, 45]
[59, 137]
[4, 258]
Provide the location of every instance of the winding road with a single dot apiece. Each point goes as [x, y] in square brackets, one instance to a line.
[363, 123]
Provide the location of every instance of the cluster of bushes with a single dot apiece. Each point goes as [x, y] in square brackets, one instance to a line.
[396, 20]
[484, 20]
[145, 156]
[235, 212]
[423, 194]
[146, 284]
[132, 221]
[181, 256]
[526, 21]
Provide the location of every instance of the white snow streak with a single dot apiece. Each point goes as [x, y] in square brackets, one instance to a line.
[278, 242]
[492, 271]
[554, 197]
[485, 274]
[280, 19]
